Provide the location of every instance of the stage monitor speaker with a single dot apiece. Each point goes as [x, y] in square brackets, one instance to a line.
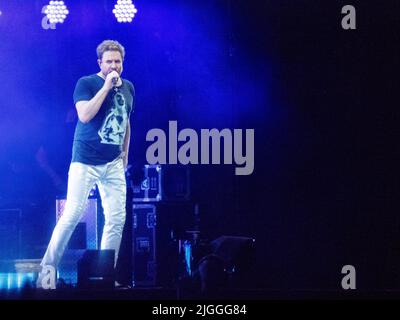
[228, 265]
[96, 269]
[236, 252]
[84, 237]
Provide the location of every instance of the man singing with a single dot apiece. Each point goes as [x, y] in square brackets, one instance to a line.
[104, 102]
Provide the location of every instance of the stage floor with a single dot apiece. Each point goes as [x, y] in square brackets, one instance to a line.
[163, 294]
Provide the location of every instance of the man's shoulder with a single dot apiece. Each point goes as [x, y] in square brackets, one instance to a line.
[89, 78]
[86, 87]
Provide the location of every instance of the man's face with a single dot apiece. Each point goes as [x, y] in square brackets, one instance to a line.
[111, 61]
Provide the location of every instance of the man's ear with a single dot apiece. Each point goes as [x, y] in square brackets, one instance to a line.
[99, 62]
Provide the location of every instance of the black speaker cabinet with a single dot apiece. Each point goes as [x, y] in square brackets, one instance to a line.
[144, 244]
[84, 237]
[96, 269]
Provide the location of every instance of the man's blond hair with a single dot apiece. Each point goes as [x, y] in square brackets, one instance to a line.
[110, 45]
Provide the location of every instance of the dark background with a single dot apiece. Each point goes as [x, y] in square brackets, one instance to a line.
[322, 101]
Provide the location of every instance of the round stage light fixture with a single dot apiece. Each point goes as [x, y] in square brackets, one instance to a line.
[56, 11]
[124, 11]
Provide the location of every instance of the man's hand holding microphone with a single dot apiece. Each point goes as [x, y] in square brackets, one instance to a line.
[112, 80]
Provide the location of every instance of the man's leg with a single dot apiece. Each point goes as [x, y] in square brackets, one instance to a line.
[80, 181]
[112, 190]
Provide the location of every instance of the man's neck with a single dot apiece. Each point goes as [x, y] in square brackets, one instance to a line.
[101, 75]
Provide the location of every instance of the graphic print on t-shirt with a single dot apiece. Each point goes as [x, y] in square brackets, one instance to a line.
[112, 130]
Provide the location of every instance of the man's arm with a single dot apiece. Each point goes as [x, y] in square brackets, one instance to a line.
[126, 144]
[87, 110]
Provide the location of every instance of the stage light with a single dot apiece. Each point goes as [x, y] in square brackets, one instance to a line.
[56, 11]
[12, 280]
[124, 10]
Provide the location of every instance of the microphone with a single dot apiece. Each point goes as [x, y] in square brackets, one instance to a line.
[115, 81]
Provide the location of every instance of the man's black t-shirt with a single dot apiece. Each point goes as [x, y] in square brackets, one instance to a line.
[101, 139]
